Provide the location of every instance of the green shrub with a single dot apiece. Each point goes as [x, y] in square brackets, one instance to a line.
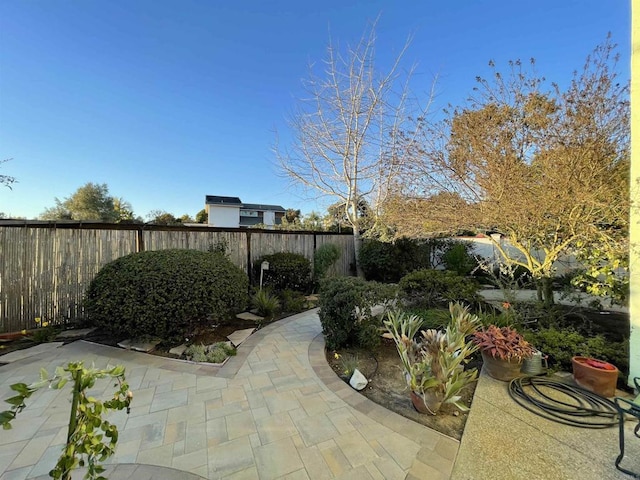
[345, 311]
[216, 353]
[164, 293]
[286, 271]
[323, 259]
[389, 262]
[265, 303]
[292, 301]
[432, 318]
[433, 288]
[379, 262]
[457, 258]
[562, 344]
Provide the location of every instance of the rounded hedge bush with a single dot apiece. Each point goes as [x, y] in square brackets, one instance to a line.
[432, 288]
[287, 270]
[166, 292]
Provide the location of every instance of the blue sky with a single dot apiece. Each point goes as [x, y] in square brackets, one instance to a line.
[169, 101]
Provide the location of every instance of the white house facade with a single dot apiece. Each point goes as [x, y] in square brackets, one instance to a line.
[231, 212]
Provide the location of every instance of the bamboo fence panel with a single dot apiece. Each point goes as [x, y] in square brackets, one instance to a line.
[45, 271]
[235, 242]
[268, 243]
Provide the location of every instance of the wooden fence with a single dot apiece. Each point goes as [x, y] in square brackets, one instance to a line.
[46, 267]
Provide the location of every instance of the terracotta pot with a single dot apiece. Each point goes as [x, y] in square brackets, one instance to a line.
[430, 404]
[504, 370]
[597, 380]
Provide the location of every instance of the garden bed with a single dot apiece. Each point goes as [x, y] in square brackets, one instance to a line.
[387, 387]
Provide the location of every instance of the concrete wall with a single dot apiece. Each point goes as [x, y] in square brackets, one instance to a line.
[634, 254]
[483, 247]
[223, 217]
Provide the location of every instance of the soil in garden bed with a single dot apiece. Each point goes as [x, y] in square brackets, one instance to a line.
[205, 336]
[387, 387]
[20, 343]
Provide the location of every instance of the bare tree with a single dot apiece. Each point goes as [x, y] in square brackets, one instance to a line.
[347, 131]
[6, 180]
[546, 168]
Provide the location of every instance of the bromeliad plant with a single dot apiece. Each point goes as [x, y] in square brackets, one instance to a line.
[433, 362]
[503, 343]
[86, 443]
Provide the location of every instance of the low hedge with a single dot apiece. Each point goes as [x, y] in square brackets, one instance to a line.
[287, 270]
[165, 293]
[345, 311]
[433, 288]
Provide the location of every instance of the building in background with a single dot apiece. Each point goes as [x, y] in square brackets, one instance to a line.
[231, 212]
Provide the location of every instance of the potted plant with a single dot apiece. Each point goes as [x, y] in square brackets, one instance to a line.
[595, 375]
[503, 351]
[433, 361]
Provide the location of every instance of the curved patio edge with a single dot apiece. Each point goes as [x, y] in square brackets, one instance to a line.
[447, 447]
[126, 471]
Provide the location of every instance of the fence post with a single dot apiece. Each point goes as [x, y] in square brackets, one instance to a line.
[139, 239]
[249, 258]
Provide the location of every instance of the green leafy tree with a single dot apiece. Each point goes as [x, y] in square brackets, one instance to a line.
[90, 202]
[123, 211]
[292, 215]
[160, 217]
[312, 221]
[202, 217]
[90, 438]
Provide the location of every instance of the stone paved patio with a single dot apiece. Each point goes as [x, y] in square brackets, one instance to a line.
[274, 411]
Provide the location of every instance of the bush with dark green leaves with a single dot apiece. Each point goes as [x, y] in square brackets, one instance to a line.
[323, 259]
[286, 271]
[292, 301]
[345, 311]
[458, 258]
[437, 288]
[389, 262]
[164, 293]
[560, 344]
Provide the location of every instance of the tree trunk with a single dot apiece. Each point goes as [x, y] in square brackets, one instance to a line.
[357, 243]
[544, 286]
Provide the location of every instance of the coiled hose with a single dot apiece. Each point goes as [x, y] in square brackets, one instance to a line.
[563, 403]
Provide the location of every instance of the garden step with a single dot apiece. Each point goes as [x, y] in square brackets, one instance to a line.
[179, 350]
[73, 334]
[239, 336]
[249, 316]
[139, 345]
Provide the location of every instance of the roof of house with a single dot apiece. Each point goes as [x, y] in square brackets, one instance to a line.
[217, 199]
[257, 206]
[236, 202]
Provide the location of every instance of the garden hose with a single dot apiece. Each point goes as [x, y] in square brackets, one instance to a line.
[563, 403]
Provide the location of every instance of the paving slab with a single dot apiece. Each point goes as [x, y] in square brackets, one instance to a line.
[74, 333]
[43, 348]
[240, 336]
[139, 345]
[179, 350]
[249, 317]
[271, 412]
